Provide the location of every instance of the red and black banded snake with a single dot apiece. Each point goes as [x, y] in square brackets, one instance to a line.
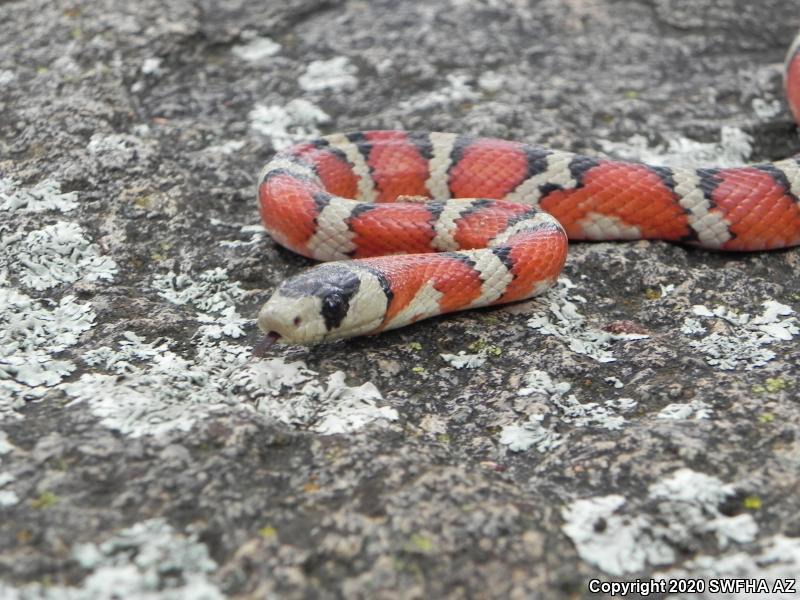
[421, 224]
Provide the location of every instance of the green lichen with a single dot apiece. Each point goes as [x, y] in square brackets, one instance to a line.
[652, 294]
[489, 319]
[268, 532]
[482, 346]
[476, 346]
[772, 385]
[45, 500]
[421, 543]
[752, 503]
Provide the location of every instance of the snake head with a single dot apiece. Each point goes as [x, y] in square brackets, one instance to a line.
[326, 302]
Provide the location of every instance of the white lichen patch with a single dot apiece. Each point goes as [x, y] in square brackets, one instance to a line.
[696, 409]
[738, 340]
[457, 89]
[538, 382]
[149, 560]
[151, 65]
[623, 544]
[777, 559]
[209, 291]
[225, 148]
[286, 125]
[565, 408]
[271, 377]
[146, 388]
[55, 254]
[5, 446]
[491, 81]
[293, 394]
[462, 360]
[602, 415]
[348, 409]
[42, 197]
[8, 497]
[693, 499]
[257, 234]
[163, 391]
[567, 324]
[685, 506]
[767, 110]
[606, 414]
[172, 397]
[118, 150]
[733, 149]
[13, 396]
[256, 49]
[523, 436]
[131, 350]
[32, 332]
[691, 502]
[337, 73]
[230, 323]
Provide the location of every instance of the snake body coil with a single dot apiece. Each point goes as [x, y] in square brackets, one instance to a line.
[421, 224]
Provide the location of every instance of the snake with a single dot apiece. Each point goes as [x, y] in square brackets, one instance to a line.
[411, 225]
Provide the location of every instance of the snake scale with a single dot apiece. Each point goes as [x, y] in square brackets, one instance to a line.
[421, 224]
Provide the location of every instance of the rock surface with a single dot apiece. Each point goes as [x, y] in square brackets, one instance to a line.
[641, 420]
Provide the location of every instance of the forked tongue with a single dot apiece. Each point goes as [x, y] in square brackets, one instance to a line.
[265, 343]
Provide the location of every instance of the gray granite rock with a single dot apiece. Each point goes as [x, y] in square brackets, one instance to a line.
[639, 421]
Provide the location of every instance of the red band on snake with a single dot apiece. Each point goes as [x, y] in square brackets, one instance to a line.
[421, 224]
